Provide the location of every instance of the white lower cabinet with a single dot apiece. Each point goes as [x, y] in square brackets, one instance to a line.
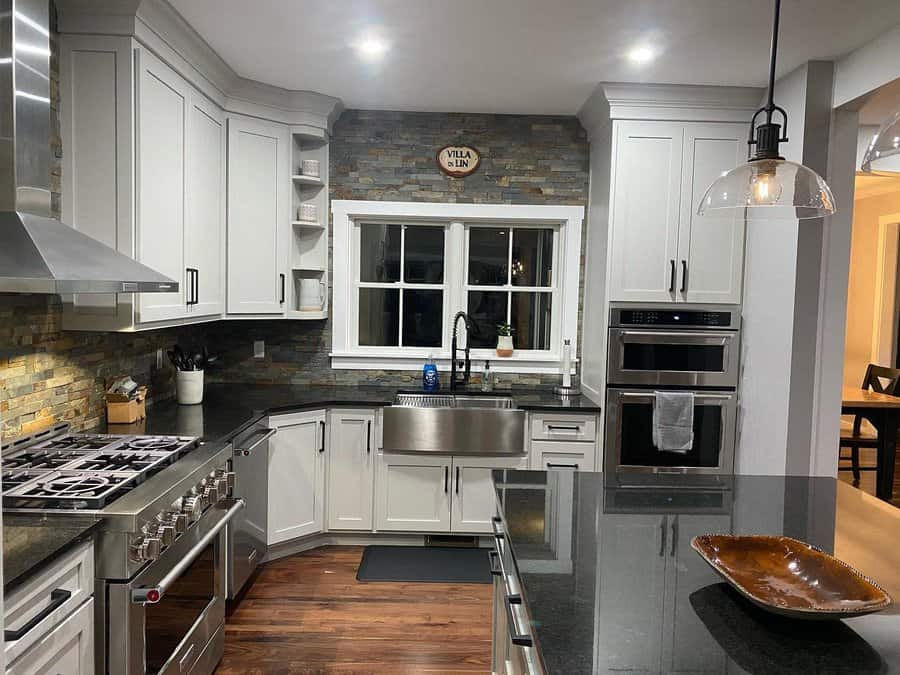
[68, 649]
[437, 493]
[296, 476]
[413, 493]
[351, 469]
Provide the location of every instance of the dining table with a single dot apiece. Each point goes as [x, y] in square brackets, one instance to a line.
[883, 411]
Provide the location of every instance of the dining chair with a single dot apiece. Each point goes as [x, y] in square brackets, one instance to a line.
[858, 433]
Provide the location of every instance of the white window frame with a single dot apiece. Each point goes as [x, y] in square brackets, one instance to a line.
[348, 214]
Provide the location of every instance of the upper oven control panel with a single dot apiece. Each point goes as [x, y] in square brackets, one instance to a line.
[697, 317]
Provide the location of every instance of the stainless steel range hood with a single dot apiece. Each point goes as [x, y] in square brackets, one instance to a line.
[39, 254]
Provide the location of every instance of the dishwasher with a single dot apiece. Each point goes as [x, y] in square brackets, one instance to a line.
[246, 534]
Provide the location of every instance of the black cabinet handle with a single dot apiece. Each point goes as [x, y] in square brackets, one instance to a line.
[446, 477]
[562, 427]
[322, 427]
[684, 276]
[674, 537]
[193, 284]
[281, 277]
[57, 598]
[457, 480]
[517, 638]
[368, 437]
[662, 535]
[196, 286]
[671, 276]
[562, 466]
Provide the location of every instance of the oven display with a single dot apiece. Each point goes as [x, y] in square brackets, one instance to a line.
[666, 317]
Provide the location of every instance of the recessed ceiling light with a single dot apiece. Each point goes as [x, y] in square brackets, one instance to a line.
[641, 54]
[372, 48]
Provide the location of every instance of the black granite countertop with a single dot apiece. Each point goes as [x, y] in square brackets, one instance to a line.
[611, 583]
[226, 408]
[31, 541]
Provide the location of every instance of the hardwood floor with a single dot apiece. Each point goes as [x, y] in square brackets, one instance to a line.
[308, 614]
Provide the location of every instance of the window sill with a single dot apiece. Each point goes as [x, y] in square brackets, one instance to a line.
[548, 364]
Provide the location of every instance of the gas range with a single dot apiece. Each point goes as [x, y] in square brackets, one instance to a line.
[81, 471]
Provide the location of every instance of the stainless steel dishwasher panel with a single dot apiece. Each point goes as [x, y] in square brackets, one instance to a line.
[454, 431]
[246, 535]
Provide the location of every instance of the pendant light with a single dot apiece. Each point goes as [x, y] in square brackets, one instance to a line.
[768, 186]
[885, 144]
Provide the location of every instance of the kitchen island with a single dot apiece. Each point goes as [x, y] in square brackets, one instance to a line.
[609, 581]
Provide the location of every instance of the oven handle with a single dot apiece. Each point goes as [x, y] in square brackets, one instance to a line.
[705, 338]
[150, 595]
[700, 396]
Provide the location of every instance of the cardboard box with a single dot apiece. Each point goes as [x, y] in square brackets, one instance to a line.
[127, 411]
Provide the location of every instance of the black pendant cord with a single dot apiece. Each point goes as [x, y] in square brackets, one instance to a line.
[768, 135]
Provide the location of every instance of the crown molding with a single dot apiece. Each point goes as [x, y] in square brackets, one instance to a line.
[159, 27]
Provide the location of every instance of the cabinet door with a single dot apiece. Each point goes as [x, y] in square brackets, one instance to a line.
[204, 236]
[161, 112]
[632, 593]
[351, 463]
[257, 216]
[413, 493]
[711, 247]
[688, 646]
[472, 491]
[68, 649]
[296, 477]
[645, 209]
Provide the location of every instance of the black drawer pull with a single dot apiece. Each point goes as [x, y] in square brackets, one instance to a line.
[517, 638]
[551, 465]
[57, 598]
[496, 570]
[563, 427]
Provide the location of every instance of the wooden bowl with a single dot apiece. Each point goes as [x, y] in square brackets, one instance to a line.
[790, 577]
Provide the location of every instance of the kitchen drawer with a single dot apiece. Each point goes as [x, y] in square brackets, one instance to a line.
[555, 455]
[68, 649]
[48, 598]
[563, 427]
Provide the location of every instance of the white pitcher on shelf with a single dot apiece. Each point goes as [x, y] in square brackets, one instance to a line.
[312, 295]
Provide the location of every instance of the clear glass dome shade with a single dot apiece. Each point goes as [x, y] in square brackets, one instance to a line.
[883, 154]
[768, 189]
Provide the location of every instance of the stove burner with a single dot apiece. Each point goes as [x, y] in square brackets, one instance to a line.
[135, 462]
[155, 443]
[88, 485]
[41, 459]
[91, 442]
[15, 477]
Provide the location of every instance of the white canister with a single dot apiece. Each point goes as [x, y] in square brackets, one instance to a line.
[312, 295]
[307, 212]
[189, 386]
[310, 167]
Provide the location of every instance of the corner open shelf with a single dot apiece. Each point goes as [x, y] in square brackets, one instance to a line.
[309, 237]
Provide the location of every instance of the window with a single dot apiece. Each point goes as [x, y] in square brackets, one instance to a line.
[403, 270]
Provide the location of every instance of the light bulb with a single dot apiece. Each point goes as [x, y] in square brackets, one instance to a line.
[765, 188]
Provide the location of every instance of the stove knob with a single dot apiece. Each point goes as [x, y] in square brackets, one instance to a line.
[166, 534]
[150, 548]
[212, 494]
[222, 485]
[180, 522]
[228, 476]
[192, 507]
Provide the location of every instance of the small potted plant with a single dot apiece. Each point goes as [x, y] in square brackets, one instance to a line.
[504, 340]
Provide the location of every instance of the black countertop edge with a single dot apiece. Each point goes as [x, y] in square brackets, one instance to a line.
[31, 542]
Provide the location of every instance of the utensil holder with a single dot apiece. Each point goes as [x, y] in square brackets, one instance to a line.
[189, 387]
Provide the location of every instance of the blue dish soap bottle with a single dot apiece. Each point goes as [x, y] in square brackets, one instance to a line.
[430, 380]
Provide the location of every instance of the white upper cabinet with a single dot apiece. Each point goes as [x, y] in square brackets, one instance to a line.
[646, 201]
[258, 218]
[204, 242]
[660, 249]
[710, 247]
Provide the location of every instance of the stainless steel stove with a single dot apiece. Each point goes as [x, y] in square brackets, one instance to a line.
[160, 552]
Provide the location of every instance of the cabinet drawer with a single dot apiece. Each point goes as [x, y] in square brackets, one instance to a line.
[569, 427]
[68, 649]
[554, 455]
[48, 598]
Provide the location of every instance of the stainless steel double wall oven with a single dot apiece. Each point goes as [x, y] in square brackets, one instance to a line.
[653, 348]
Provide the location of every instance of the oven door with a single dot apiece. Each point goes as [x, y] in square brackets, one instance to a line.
[170, 618]
[687, 358]
[629, 434]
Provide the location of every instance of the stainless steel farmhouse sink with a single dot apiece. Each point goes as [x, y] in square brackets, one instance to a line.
[454, 424]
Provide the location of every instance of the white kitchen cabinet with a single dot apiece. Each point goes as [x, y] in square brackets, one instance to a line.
[413, 493]
[473, 502]
[68, 649]
[660, 249]
[351, 469]
[296, 476]
[547, 455]
[258, 216]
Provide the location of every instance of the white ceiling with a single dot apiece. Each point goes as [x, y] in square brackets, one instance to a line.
[520, 56]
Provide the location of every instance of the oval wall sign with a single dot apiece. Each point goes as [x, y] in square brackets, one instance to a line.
[458, 160]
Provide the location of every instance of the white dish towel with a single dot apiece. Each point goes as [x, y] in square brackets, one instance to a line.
[673, 421]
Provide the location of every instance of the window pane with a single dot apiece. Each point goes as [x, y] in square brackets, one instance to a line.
[379, 252]
[488, 256]
[532, 257]
[423, 313]
[379, 316]
[530, 315]
[486, 310]
[424, 261]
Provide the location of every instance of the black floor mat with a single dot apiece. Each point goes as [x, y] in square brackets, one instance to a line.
[425, 564]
